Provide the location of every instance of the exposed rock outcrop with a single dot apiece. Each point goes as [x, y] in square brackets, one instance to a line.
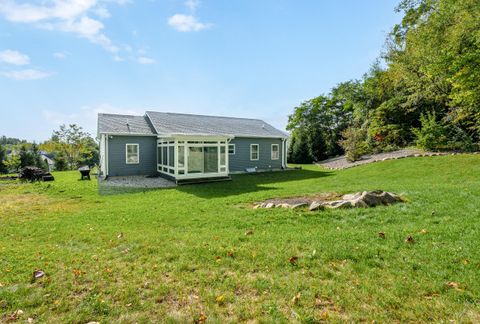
[359, 199]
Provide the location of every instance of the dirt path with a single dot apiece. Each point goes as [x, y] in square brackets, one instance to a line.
[340, 162]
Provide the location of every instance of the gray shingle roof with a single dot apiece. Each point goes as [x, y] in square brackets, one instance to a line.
[179, 124]
[185, 124]
[124, 125]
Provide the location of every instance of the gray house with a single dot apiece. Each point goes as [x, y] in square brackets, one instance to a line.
[185, 147]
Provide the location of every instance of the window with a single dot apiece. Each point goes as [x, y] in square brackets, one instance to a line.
[254, 152]
[275, 152]
[132, 154]
[222, 155]
[231, 149]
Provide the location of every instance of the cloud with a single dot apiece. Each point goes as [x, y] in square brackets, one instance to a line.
[69, 16]
[186, 23]
[146, 60]
[27, 74]
[192, 4]
[14, 57]
[60, 55]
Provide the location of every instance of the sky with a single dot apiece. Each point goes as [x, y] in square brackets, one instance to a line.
[64, 62]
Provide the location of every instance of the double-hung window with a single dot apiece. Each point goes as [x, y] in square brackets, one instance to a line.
[231, 149]
[275, 152]
[132, 154]
[254, 152]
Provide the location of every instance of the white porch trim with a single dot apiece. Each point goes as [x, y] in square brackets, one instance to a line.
[181, 145]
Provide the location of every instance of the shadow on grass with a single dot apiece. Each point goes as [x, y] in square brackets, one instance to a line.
[247, 183]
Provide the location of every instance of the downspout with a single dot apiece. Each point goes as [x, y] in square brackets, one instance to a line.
[106, 156]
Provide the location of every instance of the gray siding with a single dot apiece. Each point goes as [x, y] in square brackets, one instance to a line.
[241, 159]
[117, 165]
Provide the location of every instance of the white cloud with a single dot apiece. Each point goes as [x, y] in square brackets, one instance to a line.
[27, 74]
[14, 57]
[186, 23]
[102, 12]
[192, 4]
[60, 55]
[67, 16]
[146, 60]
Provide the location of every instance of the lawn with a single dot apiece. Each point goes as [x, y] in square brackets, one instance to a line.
[201, 253]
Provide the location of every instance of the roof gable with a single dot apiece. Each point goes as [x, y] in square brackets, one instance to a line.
[124, 125]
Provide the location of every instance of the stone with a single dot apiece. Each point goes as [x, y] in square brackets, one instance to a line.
[352, 196]
[339, 204]
[316, 205]
[299, 205]
[269, 205]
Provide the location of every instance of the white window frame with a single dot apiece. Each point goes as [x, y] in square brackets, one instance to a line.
[233, 149]
[251, 151]
[138, 153]
[278, 152]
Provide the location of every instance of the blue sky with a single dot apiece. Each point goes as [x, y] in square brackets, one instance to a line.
[65, 61]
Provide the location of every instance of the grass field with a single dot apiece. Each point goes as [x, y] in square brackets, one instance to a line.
[182, 255]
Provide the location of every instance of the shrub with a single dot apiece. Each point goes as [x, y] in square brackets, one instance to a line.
[432, 135]
[353, 143]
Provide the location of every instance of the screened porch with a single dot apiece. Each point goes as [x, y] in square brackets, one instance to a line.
[187, 157]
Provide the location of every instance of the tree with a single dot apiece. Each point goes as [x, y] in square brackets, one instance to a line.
[26, 157]
[72, 145]
[12, 163]
[3, 157]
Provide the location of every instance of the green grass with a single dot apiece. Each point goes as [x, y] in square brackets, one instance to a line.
[163, 255]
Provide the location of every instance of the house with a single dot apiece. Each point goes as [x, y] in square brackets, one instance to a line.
[184, 146]
[48, 159]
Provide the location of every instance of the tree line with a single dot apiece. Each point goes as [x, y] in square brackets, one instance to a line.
[69, 147]
[423, 91]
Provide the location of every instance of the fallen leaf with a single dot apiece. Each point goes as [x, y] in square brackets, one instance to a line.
[249, 232]
[201, 319]
[129, 304]
[296, 298]
[381, 235]
[77, 272]
[453, 284]
[119, 236]
[324, 315]
[37, 274]
[466, 261]
[293, 260]
[30, 320]
[423, 231]
[230, 254]
[220, 299]
[218, 258]
[410, 239]
[108, 270]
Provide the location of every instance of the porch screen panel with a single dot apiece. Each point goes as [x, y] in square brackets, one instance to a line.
[181, 156]
[171, 152]
[195, 160]
[211, 159]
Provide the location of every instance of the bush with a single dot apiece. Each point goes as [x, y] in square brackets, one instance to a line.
[432, 135]
[435, 135]
[353, 143]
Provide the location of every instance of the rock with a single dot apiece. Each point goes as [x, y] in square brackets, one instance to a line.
[269, 205]
[339, 204]
[284, 205]
[316, 205]
[257, 206]
[351, 196]
[299, 205]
